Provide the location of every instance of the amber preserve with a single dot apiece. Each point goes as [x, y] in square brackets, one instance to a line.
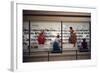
[56, 36]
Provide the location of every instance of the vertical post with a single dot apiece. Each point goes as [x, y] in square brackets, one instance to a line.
[61, 36]
[90, 38]
[76, 55]
[48, 55]
[29, 37]
[90, 34]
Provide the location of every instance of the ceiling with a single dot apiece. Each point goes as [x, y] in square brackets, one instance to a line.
[54, 13]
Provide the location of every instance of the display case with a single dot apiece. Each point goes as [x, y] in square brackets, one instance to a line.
[33, 28]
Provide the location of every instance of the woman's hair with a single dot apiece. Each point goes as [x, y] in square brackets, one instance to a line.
[58, 36]
[70, 27]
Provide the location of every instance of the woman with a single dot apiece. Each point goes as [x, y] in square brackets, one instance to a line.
[73, 37]
[41, 38]
[56, 45]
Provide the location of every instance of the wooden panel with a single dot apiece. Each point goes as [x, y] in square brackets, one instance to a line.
[56, 18]
[55, 13]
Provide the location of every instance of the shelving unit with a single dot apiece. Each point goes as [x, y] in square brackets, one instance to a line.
[51, 32]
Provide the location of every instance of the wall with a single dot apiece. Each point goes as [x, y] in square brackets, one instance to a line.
[52, 28]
